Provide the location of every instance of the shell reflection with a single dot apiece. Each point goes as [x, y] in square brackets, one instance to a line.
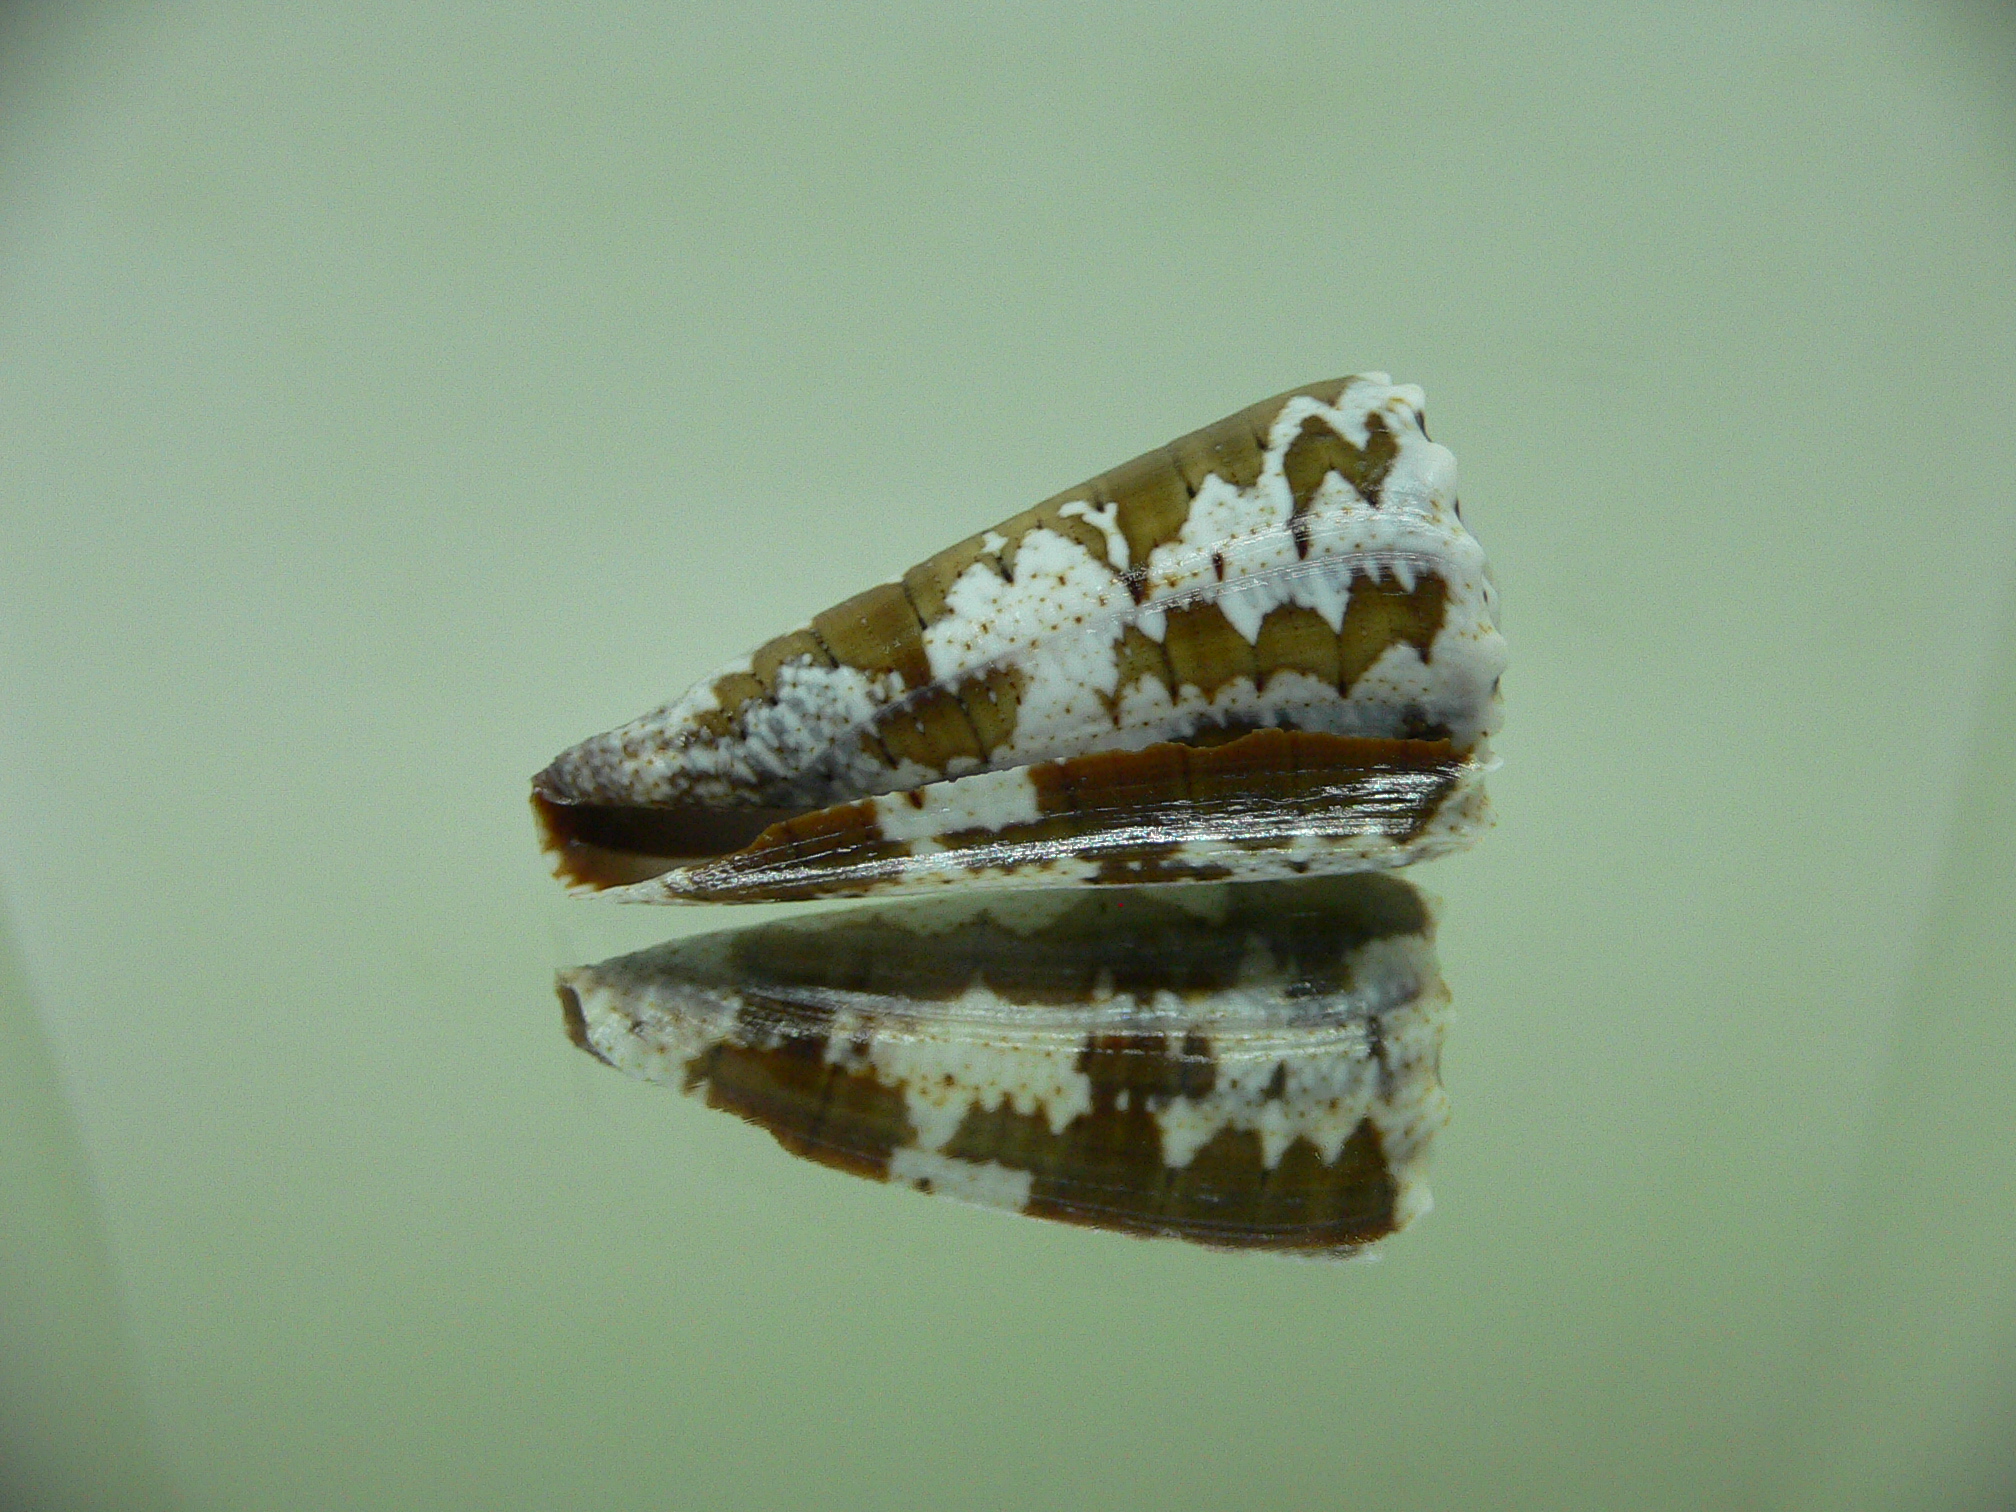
[1249, 1066]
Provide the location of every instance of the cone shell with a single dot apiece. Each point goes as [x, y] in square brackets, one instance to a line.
[1264, 650]
[1243, 1067]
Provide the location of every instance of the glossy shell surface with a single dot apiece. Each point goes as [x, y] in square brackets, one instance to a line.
[1265, 650]
[1246, 1067]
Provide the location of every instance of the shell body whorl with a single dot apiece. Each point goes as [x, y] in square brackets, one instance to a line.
[1103, 688]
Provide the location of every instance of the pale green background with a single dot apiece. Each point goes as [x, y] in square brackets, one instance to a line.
[392, 394]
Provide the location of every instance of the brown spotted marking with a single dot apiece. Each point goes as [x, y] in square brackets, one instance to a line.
[1138, 659]
[1154, 501]
[1204, 651]
[1294, 639]
[1383, 614]
[932, 727]
[1319, 450]
[991, 701]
